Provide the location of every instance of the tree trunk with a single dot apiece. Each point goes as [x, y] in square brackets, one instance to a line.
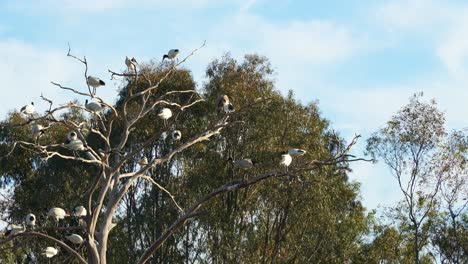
[416, 245]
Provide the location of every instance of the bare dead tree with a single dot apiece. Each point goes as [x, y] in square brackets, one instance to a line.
[110, 185]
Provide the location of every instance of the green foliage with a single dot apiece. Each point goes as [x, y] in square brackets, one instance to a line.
[311, 217]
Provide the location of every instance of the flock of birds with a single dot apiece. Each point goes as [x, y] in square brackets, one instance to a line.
[56, 214]
[224, 105]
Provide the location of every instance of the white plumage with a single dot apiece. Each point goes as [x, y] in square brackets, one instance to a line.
[57, 213]
[75, 239]
[49, 252]
[28, 109]
[165, 113]
[224, 104]
[163, 135]
[171, 54]
[79, 211]
[72, 135]
[94, 106]
[243, 163]
[286, 160]
[296, 152]
[228, 108]
[37, 130]
[14, 230]
[222, 101]
[95, 82]
[74, 144]
[176, 135]
[131, 63]
[30, 219]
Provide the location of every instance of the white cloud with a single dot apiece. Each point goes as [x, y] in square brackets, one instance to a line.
[27, 72]
[442, 25]
[85, 6]
[295, 42]
[412, 15]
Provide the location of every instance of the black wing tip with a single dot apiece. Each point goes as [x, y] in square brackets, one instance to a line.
[101, 82]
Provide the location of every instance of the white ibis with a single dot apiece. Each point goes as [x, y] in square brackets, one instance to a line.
[131, 63]
[75, 239]
[37, 130]
[28, 109]
[296, 152]
[49, 252]
[164, 135]
[244, 163]
[286, 160]
[75, 145]
[95, 82]
[30, 220]
[176, 135]
[72, 135]
[223, 100]
[15, 230]
[171, 54]
[57, 213]
[165, 114]
[79, 211]
[224, 104]
[228, 108]
[94, 106]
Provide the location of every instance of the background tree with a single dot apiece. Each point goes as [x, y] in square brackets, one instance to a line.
[449, 232]
[408, 145]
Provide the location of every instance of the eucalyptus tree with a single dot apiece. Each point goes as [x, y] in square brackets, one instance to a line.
[107, 145]
[409, 145]
[449, 232]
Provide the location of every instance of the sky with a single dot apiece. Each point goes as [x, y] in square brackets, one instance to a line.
[361, 60]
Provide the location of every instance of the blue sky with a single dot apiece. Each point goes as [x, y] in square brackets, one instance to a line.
[361, 60]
